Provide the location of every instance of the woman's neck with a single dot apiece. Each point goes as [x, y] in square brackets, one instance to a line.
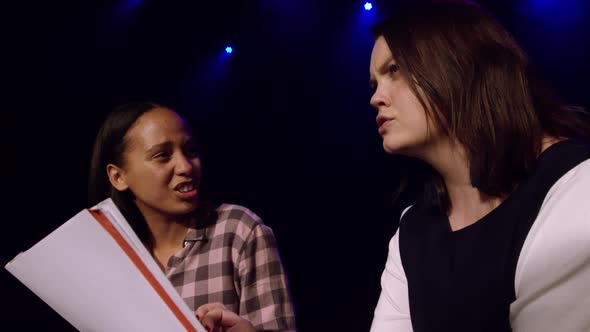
[166, 231]
[468, 203]
[167, 235]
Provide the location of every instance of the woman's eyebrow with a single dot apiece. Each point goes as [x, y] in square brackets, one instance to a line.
[383, 67]
[158, 146]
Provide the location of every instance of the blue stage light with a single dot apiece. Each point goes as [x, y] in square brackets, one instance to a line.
[229, 50]
[368, 6]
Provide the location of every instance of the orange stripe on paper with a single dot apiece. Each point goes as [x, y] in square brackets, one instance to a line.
[106, 224]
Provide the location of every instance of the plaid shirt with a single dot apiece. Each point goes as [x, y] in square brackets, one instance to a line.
[234, 260]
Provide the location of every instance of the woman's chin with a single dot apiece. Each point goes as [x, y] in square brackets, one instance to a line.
[188, 206]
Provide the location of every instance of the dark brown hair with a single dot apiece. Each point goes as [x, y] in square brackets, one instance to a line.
[479, 87]
[109, 147]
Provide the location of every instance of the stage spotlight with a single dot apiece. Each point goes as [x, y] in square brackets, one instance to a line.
[368, 6]
[229, 50]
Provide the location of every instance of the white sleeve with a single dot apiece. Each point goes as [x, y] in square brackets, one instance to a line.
[393, 308]
[552, 280]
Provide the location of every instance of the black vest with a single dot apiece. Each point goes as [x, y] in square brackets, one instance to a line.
[464, 280]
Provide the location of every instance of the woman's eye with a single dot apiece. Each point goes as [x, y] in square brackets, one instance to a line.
[191, 153]
[393, 68]
[161, 155]
[191, 150]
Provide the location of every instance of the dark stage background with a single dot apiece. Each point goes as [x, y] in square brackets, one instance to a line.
[284, 122]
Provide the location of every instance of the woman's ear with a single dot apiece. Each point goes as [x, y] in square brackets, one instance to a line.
[117, 177]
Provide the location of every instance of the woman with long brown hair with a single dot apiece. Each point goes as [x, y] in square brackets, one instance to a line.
[500, 238]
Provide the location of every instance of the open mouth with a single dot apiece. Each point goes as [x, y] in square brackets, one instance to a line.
[185, 187]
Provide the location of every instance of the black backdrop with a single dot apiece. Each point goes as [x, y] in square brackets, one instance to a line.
[284, 121]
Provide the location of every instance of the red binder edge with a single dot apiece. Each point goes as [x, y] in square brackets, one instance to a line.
[106, 224]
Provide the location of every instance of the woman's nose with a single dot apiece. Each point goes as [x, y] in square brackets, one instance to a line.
[184, 165]
[377, 100]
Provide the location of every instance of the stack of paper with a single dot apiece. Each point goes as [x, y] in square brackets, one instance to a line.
[95, 272]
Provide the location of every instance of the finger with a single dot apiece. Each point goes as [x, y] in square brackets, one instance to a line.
[225, 319]
[213, 318]
[203, 309]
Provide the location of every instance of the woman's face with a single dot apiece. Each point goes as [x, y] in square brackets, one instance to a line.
[401, 118]
[162, 168]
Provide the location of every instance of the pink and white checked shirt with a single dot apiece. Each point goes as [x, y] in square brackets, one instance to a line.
[231, 257]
